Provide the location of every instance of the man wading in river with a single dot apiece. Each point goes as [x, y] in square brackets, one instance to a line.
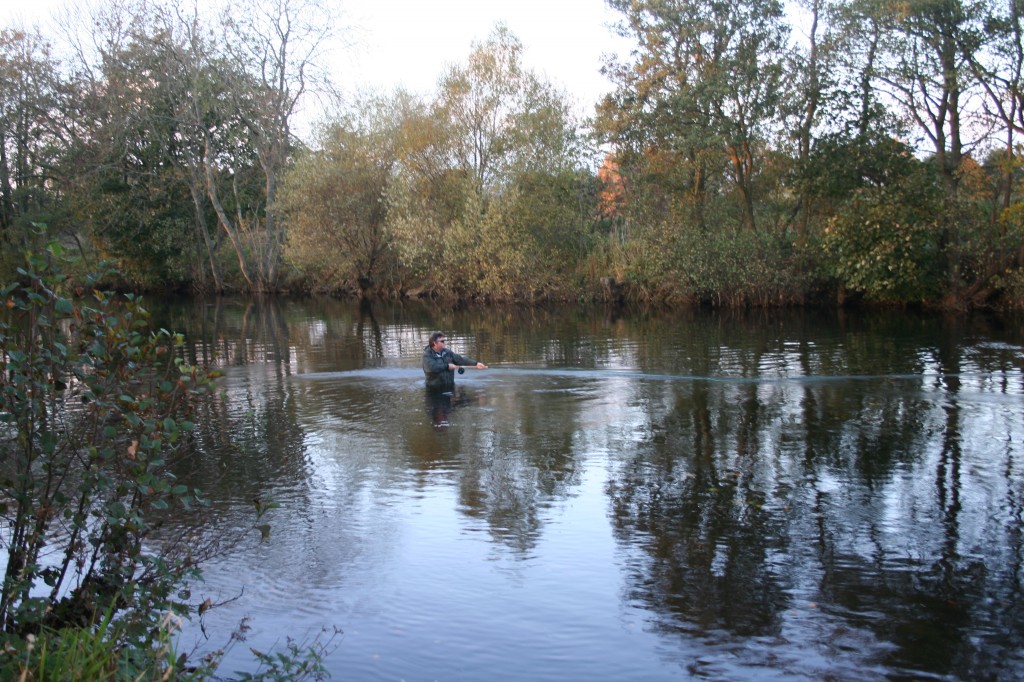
[439, 364]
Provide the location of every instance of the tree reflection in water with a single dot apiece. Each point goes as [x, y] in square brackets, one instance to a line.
[772, 511]
[842, 498]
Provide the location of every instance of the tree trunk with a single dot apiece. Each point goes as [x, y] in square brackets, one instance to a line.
[6, 192]
[225, 221]
[741, 163]
[810, 113]
[697, 190]
[204, 232]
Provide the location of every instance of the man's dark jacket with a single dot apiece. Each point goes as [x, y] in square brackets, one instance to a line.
[435, 367]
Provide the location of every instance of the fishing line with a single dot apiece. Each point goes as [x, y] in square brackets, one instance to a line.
[401, 373]
[648, 376]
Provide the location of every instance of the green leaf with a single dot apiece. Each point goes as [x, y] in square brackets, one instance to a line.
[64, 306]
[48, 442]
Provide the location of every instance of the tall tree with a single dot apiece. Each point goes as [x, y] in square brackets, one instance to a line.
[272, 51]
[120, 173]
[931, 79]
[29, 96]
[847, 138]
[502, 119]
[705, 77]
[861, 42]
[189, 76]
[928, 74]
[810, 76]
[464, 163]
[334, 197]
[999, 67]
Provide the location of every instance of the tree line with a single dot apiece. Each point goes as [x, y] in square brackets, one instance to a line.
[845, 150]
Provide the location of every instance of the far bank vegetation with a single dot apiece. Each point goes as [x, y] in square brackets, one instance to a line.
[851, 150]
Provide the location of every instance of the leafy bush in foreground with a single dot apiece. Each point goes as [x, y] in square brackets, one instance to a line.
[95, 412]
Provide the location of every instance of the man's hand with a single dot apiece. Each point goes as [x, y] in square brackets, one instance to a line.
[481, 365]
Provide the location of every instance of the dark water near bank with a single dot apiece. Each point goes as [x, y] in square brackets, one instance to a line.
[780, 495]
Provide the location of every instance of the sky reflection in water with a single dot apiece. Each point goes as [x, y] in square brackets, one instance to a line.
[769, 496]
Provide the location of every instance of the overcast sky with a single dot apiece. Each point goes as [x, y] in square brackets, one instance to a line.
[410, 42]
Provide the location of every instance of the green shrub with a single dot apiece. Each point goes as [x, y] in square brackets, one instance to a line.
[96, 414]
[885, 242]
[722, 265]
[94, 411]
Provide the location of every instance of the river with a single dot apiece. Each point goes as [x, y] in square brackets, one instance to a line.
[622, 495]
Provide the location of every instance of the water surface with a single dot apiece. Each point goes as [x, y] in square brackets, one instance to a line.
[735, 496]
